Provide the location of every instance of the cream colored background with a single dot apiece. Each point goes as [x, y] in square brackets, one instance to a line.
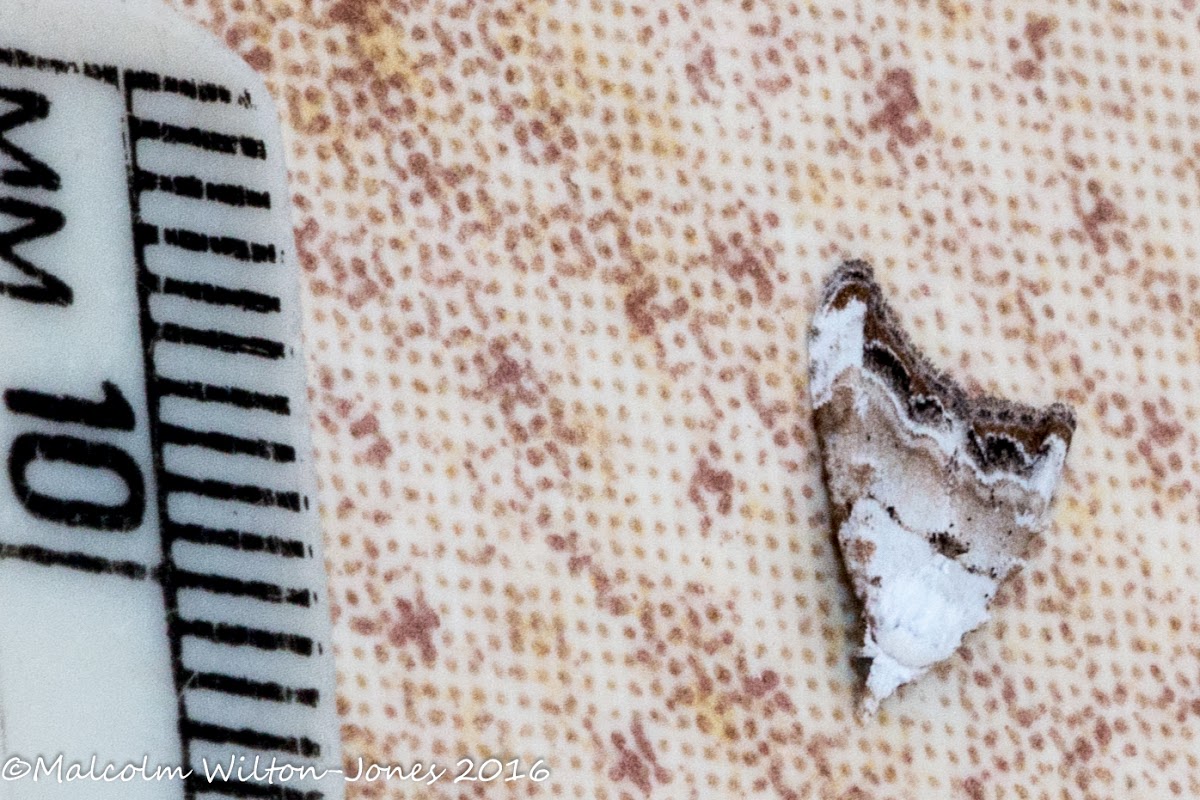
[560, 259]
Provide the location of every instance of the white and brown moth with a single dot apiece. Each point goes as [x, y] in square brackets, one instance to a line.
[934, 495]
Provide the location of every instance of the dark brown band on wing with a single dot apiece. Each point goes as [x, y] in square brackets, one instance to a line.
[1004, 435]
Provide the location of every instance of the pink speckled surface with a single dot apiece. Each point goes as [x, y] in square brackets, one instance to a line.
[560, 260]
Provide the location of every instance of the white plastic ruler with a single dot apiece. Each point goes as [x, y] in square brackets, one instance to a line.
[161, 580]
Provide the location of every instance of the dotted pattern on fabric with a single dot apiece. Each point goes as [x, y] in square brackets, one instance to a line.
[560, 258]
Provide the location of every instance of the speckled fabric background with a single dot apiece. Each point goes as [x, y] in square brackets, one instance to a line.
[559, 260]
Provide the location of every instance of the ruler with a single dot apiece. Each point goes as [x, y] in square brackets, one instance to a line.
[161, 580]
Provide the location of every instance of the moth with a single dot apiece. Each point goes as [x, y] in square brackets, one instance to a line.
[935, 495]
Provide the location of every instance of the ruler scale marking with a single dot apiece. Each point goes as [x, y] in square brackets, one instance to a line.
[235, 587]
[243, 541]
[143, 129]
[15, 57]
[212, 294]
[236, 492]
[267, 691]
[248, 789]
[219, 340]
[229, 246]
[225, 443]
[245, 636]
[198, 189]
[193, 90]
[153, 400]
[252, 739]
[170, 483]
[230, 395]
[83, 562]
[195, 360]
